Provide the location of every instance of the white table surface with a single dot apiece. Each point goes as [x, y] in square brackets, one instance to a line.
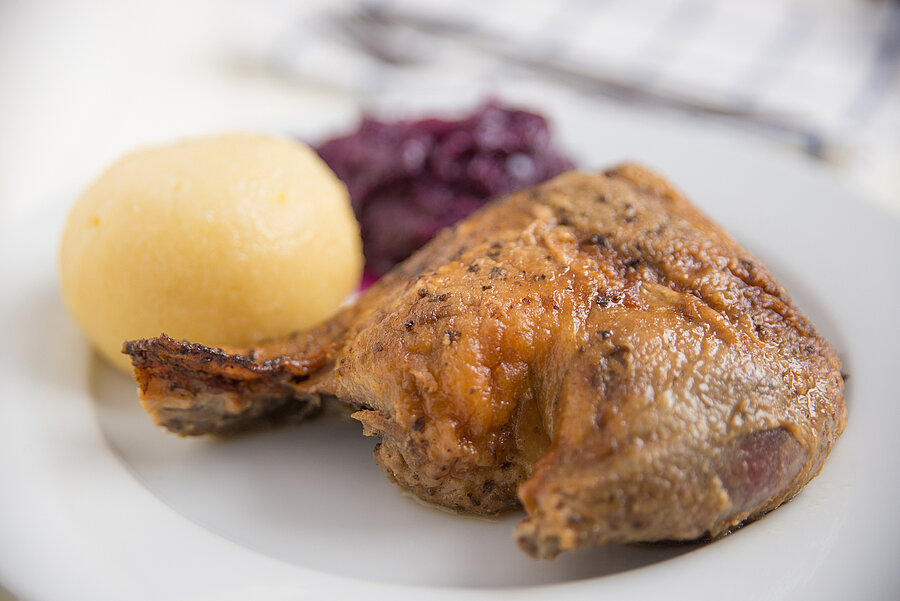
[83, 82]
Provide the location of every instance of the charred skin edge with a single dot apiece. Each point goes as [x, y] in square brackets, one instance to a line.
[210, 391]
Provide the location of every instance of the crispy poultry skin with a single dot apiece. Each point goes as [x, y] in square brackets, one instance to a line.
[593, 348]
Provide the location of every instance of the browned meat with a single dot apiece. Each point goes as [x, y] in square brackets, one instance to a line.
[593, 348]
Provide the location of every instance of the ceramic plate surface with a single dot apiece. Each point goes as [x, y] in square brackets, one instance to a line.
[96, 503]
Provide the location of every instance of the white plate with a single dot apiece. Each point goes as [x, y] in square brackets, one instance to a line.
[96, 503]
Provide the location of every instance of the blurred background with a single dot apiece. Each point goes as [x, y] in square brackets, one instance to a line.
[83, 82]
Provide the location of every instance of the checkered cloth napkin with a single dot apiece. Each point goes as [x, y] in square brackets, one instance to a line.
[823, 74]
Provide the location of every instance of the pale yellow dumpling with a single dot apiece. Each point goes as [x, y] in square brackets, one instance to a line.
[224, 240]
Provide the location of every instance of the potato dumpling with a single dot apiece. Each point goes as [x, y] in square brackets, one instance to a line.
[225, 241]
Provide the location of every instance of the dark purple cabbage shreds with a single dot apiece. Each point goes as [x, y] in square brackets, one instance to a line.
[409, 179]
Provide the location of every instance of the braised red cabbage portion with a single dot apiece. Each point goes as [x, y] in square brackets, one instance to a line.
[408, 179]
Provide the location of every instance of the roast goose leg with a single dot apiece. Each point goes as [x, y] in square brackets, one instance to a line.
[594, 349]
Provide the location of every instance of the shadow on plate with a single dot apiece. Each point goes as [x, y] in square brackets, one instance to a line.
[313, 496]
[50, 348]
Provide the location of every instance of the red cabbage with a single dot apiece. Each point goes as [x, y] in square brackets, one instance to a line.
[409, 179]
